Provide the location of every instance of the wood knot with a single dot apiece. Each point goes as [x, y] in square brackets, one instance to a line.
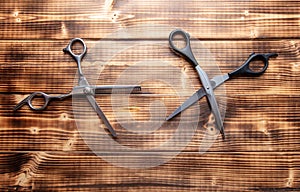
[290, 179]
[263, 127]
[115, 17]
[253, 33]
[24, 178]
[64, 116]
[289, 182]
[21, 179]
[211, 125]
[70, 143]
[214, 181]
[34, 130]
[16, 14]
[266, 132]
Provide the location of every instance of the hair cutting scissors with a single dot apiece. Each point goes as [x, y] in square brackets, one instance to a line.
[83, 88]
[210, 85]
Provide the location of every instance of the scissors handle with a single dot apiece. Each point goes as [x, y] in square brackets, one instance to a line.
[245, 69]
[34, 95]
[28, 100]
[47, 98]
[186, 51]
[76, 57]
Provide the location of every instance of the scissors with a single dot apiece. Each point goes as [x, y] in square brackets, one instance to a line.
[210, 85]
[83, 88]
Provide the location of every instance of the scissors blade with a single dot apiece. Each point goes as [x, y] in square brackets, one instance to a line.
[100, 113]
[216, 112]
[215, 82]
[218, 80]
[116, 88]
[189, 102]
[105, 89]
[211, 99]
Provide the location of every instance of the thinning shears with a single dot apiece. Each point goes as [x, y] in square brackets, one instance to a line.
[83, 88]
[210, 85]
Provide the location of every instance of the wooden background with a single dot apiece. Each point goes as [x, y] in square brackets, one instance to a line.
[43, 151]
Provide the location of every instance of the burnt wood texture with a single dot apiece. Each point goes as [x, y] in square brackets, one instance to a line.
[44, 151]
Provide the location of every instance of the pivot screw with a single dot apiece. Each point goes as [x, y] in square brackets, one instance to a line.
[87, 91]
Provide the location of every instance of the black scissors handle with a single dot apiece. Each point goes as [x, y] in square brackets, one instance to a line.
[245, 69]
[186, 51]
[47, 98]
[76, 57]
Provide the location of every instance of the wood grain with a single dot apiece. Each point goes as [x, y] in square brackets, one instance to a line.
[53, 171]
[48, 151]
[56, 19]
[46, 63]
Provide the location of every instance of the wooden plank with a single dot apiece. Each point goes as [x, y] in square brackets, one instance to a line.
[26, 63]
[48, 151]
[216, 19]
[211, 171]
[270, 108]
[269, 124]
